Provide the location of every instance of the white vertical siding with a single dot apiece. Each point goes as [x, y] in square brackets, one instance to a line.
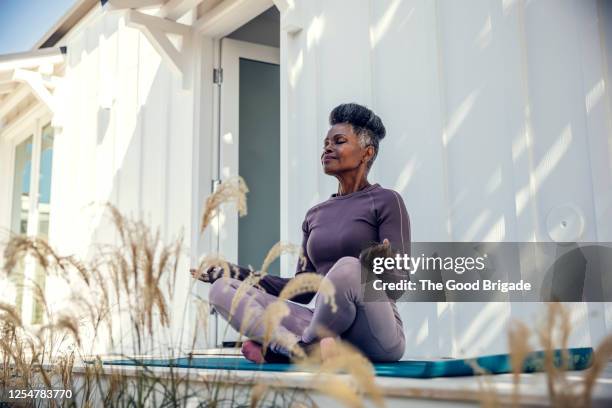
[128, 136]
[126, 140]
[495, 115]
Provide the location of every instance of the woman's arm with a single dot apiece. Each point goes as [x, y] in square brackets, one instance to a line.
[303, 265]
[394, 225]
[270, 283]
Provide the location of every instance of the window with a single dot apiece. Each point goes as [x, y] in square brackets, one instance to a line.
[33, 157]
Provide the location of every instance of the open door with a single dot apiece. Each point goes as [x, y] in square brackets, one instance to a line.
[249, 146]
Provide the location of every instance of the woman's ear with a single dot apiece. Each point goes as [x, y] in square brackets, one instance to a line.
[369, 154]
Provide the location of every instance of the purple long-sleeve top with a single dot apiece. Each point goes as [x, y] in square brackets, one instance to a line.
[344, 225]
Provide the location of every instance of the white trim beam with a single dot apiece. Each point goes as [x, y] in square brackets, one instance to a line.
[138, 20]
[37, 84]
[13, 99]
[156, 30]
[165, 49]
[229, 15]
[31, 59]
[7, 88]
[6, 77]
[174, 9]
[134, 4]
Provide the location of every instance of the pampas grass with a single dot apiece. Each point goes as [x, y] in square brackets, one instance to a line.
[601, 358]
[134, 282]
[518, 341]
[345, 359]
[553, 333]
[279, 249]
[274, 314]
[231, 190]
[308, 282]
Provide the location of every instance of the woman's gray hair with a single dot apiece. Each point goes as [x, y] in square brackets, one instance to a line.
[366, 125]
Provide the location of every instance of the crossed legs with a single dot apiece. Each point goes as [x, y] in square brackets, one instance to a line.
[373, 327]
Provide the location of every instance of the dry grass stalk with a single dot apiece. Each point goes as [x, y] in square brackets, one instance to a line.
[21, 245]
[258, 393]
[340, 391]
[601, 358]
[273, 315]
[311, 282]
[231, 190]
[253, 279]
[555, 330]
[347, 359]
[279, 249]
[127, 279]
[201, 321]
[249, 282]
[249, 317]
[10, 315]
[64, 323]
[518, 341]
[553, 334]
[487, 392]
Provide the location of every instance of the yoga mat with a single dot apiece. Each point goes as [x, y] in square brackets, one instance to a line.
[579, 359]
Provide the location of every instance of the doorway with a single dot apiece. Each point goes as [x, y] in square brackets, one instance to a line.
[249, 138]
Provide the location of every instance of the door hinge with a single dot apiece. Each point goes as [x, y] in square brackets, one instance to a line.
[214, 184]
[218, 76]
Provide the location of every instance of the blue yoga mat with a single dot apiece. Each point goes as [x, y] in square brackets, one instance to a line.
[579, 359]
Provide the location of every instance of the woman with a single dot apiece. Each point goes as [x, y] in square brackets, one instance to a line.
[336, 232]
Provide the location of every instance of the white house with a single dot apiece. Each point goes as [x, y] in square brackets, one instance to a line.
[499, 119]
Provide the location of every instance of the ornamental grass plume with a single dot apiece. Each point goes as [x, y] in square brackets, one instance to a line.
[9, 316]
[345, 358]
[518, 341]
[255, 277]
[279, 249]
[273, 315]
[308, 282]
[341, 391]
[601, 358]
[202, 308]
[249, 282]
[554, 333]
[258, 393]
[230, 190]
[486, 389]
[128, 286]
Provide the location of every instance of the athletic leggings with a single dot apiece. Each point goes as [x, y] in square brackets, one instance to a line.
[374, 327]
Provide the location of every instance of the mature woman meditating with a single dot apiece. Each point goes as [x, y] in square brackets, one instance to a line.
[336, 232]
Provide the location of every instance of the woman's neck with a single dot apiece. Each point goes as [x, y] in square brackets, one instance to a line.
[348, 186]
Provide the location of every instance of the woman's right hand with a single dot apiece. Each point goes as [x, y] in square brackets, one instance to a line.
[209, 276]
[203, 276]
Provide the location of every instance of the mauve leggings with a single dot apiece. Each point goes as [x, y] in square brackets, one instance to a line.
[373, 327]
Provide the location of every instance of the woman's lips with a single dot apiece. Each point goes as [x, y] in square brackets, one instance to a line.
[327, 158]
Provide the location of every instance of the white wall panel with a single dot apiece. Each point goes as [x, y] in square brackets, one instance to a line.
[127, 140]
[495, 115]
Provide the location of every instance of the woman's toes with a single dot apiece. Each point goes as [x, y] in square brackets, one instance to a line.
[252, 352]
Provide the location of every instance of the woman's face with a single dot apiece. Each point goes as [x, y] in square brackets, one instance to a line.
[342, 151]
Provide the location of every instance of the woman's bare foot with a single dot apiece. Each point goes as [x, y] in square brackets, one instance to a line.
[328, 348]
[252, 352]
